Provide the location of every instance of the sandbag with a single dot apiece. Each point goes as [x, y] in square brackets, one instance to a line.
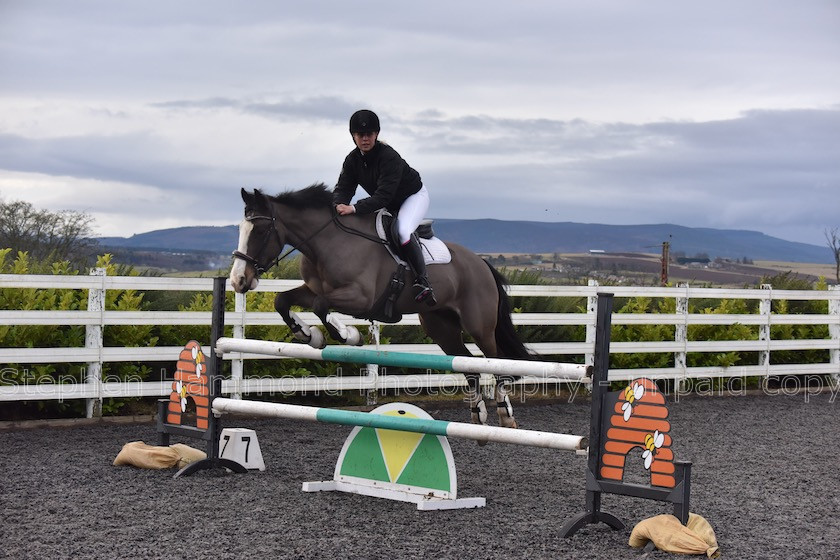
[668, 534]
[144, 456]
[187, 454]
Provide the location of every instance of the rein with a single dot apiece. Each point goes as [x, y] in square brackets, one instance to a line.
[357, 233]
[260, 268]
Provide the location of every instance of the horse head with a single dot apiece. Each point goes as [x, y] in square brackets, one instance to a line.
[260, 242]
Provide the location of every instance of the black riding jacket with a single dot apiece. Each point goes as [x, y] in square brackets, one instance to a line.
[384, 175]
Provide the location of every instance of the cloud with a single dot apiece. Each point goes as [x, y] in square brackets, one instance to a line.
[715, 114]
[765, 170]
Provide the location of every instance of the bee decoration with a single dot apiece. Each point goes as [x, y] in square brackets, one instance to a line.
[181, 389]
[198, 357]
[631, 394]
[652, 442]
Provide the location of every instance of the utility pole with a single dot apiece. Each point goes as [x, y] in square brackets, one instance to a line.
[666, 259]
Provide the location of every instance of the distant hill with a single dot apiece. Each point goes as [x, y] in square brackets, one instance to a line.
[567, 237]
[197, 238]
[501, 236]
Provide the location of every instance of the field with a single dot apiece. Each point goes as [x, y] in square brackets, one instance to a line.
[644, 269]
[641, 269]
[806, 269]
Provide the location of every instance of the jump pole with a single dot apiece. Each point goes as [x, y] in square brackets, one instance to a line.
[478, 432]
[458, 364]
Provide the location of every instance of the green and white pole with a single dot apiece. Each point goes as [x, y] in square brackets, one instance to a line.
[354, 355]
[476, 432]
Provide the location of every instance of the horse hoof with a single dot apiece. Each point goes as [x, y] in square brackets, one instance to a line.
[316, 338]
[354, 338]
[477, 420]
[506, 421]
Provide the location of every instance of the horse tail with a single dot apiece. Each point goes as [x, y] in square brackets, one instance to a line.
[508, 342]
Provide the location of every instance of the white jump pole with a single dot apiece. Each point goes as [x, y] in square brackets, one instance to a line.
[476, 432]
[460, 364]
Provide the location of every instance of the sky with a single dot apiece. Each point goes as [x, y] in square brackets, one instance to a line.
[153, 114]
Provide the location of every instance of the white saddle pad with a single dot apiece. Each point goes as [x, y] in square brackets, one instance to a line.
[435, 251]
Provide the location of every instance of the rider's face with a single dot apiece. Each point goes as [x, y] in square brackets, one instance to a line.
[365, 140]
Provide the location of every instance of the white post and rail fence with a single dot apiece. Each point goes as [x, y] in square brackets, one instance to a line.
[96, 319]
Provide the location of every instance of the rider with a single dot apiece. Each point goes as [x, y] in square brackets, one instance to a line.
[391, 184]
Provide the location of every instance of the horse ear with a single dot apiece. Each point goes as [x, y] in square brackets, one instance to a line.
[259, 198]
[253, 199]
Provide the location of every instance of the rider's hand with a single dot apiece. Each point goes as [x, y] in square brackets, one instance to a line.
[345, 209]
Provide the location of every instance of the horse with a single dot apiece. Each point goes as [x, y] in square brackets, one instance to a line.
[346, 267]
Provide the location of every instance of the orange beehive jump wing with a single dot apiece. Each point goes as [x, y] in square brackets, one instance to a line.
[639, 413]
[191, 382]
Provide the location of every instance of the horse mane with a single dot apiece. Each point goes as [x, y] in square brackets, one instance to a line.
[316, 195]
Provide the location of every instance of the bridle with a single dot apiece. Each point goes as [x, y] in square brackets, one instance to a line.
[261, 268]
[258, 266]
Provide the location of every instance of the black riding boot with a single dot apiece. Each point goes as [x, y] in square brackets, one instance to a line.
[413, 253]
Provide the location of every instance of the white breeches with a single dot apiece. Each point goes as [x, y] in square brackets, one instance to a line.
[411, 213]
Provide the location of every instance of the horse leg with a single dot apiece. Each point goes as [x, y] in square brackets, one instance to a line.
[503, 407]
[444, 328]
[346, 334]
[481, 323]
[304, 297]
[475, 400]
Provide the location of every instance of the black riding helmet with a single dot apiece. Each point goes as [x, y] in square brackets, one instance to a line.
[364, 120]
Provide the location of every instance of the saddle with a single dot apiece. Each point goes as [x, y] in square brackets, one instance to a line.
[435, 251]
